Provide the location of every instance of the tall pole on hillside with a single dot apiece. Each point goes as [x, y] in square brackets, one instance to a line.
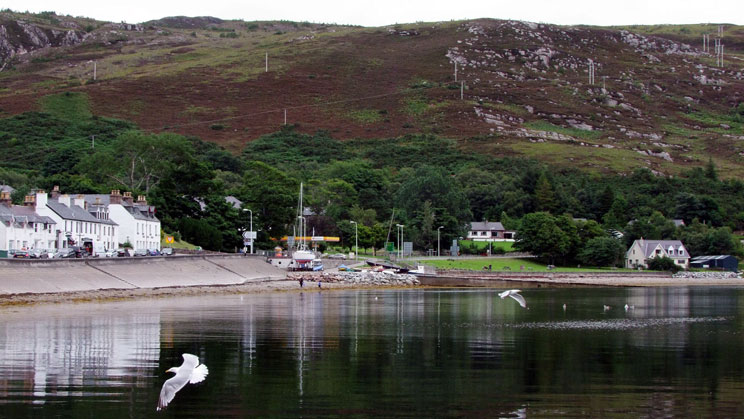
[285, 117]
[267, 62]
[94, 70]
[462, 90]
[455, 71]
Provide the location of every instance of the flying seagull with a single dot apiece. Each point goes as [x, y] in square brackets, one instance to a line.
[189, 372]
[515, 295]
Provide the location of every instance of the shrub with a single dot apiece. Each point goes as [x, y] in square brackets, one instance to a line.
[662, 264]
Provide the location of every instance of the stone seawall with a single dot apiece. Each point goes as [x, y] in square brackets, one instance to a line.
[70, 275]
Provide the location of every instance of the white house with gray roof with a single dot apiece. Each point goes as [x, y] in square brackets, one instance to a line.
[75, 225]
[642, 251]
[489, 231]
[137, 222]
[21, 228]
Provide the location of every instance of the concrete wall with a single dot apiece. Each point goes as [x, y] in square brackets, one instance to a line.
[66, 275]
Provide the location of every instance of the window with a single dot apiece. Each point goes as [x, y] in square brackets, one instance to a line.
[681, 252]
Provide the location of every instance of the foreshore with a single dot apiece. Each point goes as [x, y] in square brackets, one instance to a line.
[250, 276]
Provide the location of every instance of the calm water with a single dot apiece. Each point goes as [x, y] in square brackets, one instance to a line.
[403, 353]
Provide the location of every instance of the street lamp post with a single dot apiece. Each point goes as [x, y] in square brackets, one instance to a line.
[356, 241]
[400, 240]
[251, 228]
[439, 241]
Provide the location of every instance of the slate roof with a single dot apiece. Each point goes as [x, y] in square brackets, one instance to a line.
[139, 212]
[648, 247]
[74, 212]
[486, 226]
[22, 213]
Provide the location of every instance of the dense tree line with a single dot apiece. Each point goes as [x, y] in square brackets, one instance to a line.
[420, 181]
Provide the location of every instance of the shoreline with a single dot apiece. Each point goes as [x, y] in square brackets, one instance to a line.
[290, 284]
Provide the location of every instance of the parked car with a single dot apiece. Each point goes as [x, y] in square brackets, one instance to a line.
[122, 253]
[65, 253]
[153, 252]
[80, 252]
[109, 254]
[38, 254]
[21, 254]
[337, 256]
[141, 252]
[166, 251]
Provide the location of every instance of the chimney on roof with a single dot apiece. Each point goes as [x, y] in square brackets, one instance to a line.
[30, 201]
[128, 198]
[80, 201]
[41, 199]
[55, 192]
[141, 200]
[115, 197]
[64, 200]
[5, 198]
[98, 200]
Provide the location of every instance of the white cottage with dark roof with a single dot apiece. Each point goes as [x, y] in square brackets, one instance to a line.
[75, 225]
[137, 222]
[489, 231]
[642, 250]
[21, 228]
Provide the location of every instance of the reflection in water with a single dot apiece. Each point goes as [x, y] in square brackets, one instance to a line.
[60, 356]
[384, 353]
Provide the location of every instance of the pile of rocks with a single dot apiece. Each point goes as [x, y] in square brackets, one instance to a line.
[707, 275]
[370, 278]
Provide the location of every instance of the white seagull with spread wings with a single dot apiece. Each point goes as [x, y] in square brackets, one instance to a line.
[515, 295]
[189, 372]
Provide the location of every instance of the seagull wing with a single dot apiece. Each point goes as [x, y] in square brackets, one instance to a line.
[189, 362]
[184, 375]
[508, 293]
[519, 299]
[170, 388]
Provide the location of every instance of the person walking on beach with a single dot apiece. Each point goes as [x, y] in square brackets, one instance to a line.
[301, 281]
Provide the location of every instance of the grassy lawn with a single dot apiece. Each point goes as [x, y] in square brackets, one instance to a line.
[513, 264]
[483, 246]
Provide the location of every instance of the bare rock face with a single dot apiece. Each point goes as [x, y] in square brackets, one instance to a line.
[19, 38]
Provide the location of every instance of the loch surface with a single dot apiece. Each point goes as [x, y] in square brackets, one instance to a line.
[392, 353]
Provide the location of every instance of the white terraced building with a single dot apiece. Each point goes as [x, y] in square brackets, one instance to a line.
[137, 222]
[75, 225]
[21, 228]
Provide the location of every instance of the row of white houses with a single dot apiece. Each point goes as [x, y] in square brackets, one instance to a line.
[98, 223]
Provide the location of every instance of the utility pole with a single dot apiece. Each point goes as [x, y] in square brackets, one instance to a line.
[92, 141]
[462, 90]
[267, 62]
[356, 241]
[604, 82]
[285, 117]
[94, 70]
[455, 71]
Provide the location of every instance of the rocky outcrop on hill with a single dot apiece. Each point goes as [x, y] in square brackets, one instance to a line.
[18, 37]
[184, 22]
